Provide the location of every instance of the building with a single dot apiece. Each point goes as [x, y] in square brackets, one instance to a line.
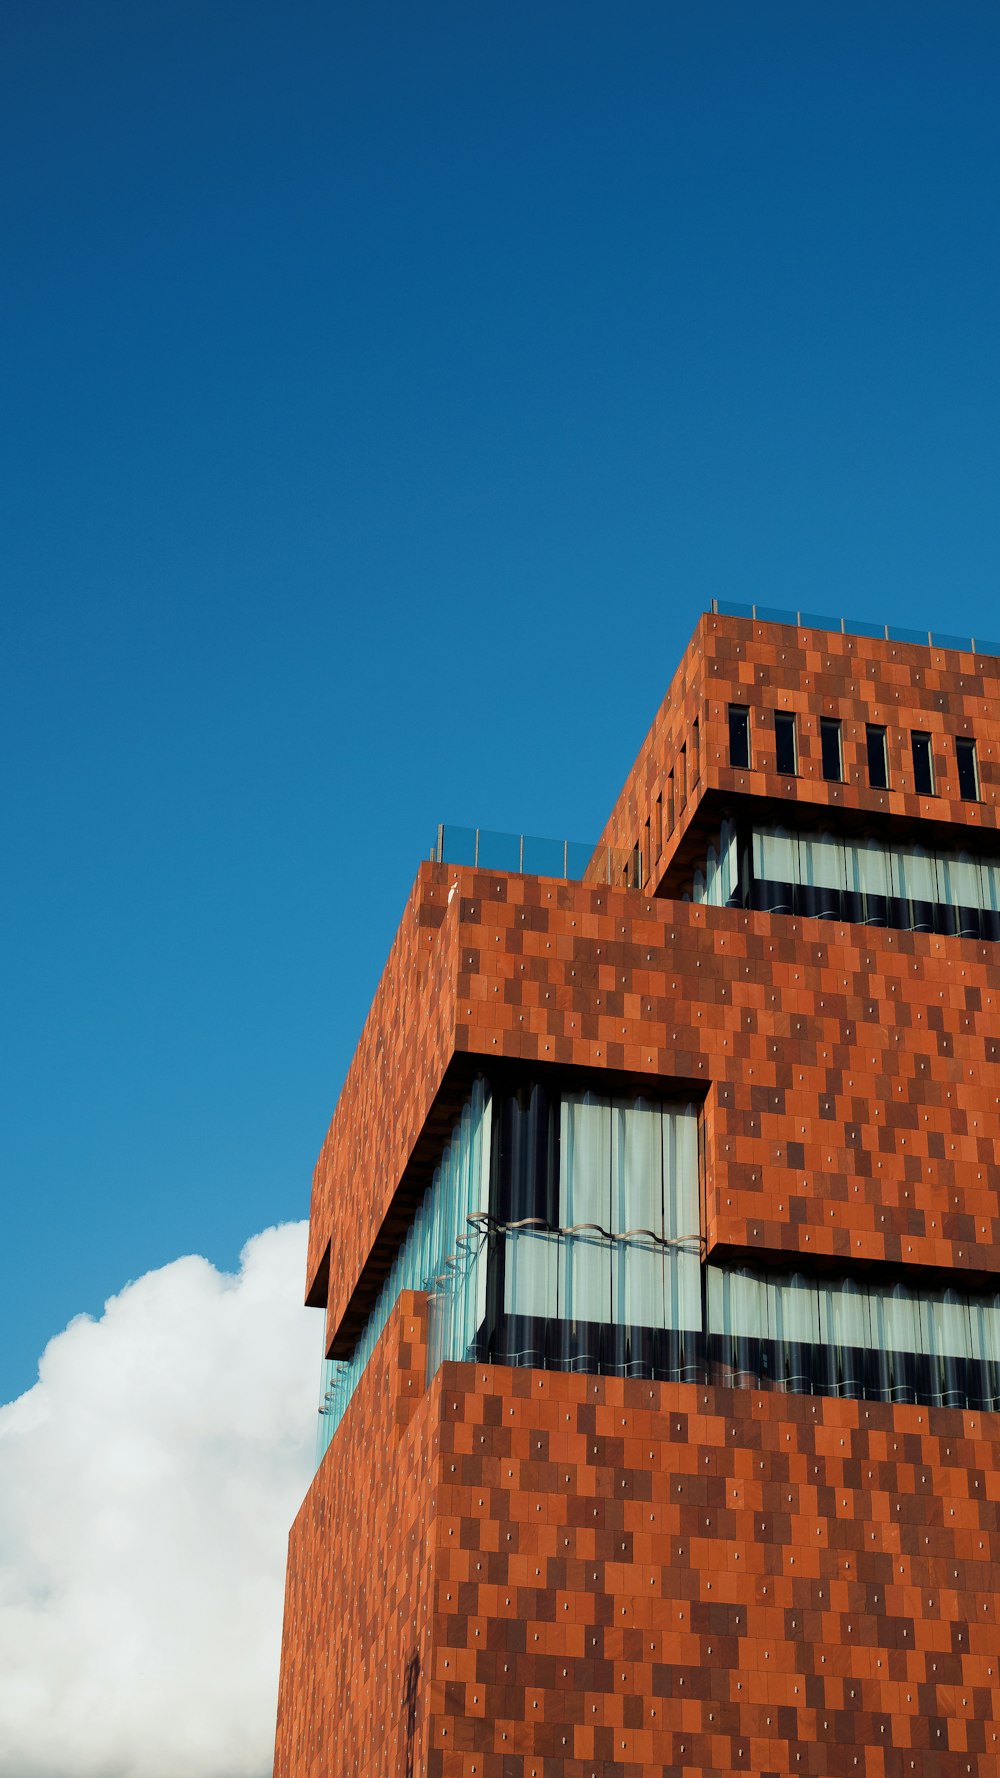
[658, 1234]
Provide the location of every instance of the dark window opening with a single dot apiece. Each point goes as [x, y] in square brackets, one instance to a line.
[739, 736]
[878, 763]
[695, 752]
[784, 743]
[659, 826]
[968, 776]
[671, 811]
[923, 764]
[682, 792]
[833, 764]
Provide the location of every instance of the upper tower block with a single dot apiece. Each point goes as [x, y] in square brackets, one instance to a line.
[821, 729]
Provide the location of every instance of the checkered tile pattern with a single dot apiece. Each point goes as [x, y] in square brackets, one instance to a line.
[552, 1576]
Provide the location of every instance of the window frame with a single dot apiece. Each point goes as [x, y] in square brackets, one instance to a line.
[923, 738]
[785, 720]
[873, 730]
[832, 725]
[740, 711]
[966, 745]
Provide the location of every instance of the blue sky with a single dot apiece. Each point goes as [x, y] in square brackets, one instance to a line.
[385, 390]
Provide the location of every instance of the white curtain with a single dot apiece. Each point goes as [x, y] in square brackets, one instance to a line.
[822, 862]
[867, 868]
[628, 1168]
[950, 879]
[585, 1206]
[775, 855]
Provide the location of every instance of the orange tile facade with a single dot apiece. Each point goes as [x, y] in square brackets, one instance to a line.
[535, 1575]
[814, 673]
[517, 1574]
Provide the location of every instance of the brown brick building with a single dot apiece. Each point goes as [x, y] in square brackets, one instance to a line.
[658, 1233]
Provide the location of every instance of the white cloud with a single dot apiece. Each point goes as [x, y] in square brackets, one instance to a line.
[147, 1485]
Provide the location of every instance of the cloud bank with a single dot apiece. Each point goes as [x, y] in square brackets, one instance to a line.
[147, 1485]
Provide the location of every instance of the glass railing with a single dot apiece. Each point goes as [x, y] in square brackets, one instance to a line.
[511, 851]
[853, 626]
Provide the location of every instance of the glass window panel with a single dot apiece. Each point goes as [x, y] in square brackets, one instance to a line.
[990, 874]
[479, 1201]
[638, 1284]
[793, 1310]
[681, 1194]
[792, 1331]
[878, 762]
[945, 883]
[682, 1289]
[894, 1311]
[944, 1324]
[844, 1317]
[960, 877]
[585, 1161]
[822, 862]
[712, 878]
[916, 874]
[923, 764]
[636, 1167]
[739, 735]
[968, 774]
[830, 742]
[531, 1274]
[585, 1278]
[984, 1333]
[784, 743]
[736, 1303]
[867, 868]
[728, 863]
[775, 855]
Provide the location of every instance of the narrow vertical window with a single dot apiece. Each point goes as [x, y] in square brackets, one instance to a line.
[682, 789]
[739, 736]
[833, 759]
[659, 825]
[784, 743]
[923, 764]
[878, 763]
[671, 809]
[695, 752]
[648, 859]
[968, 774]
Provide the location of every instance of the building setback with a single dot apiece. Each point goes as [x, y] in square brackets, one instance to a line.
[658, 1234]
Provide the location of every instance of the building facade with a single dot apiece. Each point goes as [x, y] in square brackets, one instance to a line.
[658, 1235]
